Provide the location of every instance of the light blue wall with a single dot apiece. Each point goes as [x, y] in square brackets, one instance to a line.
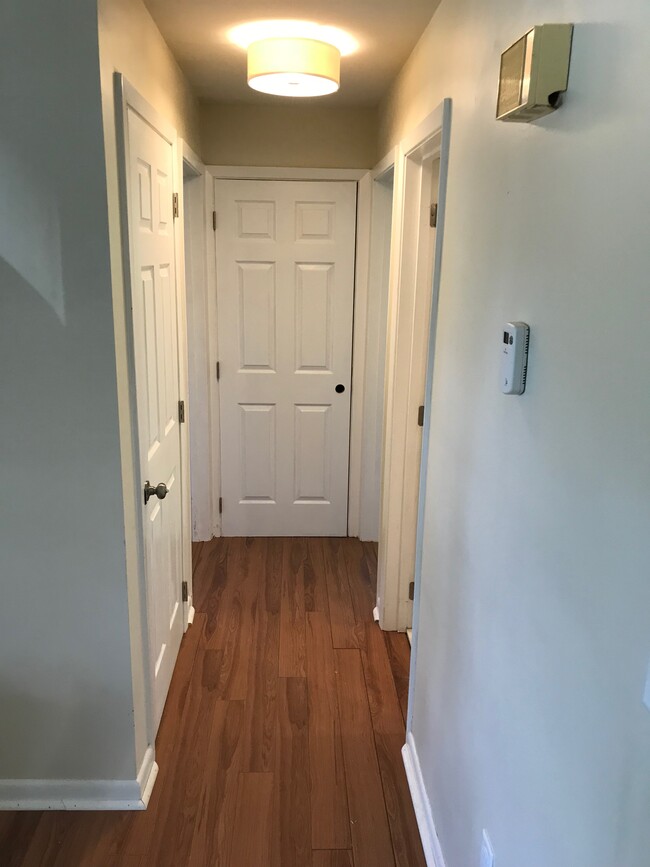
[66, 706]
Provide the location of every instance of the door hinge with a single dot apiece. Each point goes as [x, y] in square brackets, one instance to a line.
[218, 371]
[181, 411]
[214, 221]
[433, 215]
[184, 595]
[421, 416]
[412, 591]
[220, 505]
[175, 205]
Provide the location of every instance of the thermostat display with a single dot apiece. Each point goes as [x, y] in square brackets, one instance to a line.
[514, 358]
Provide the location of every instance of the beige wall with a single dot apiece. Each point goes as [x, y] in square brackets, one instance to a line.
[534, 631]
[131, 43]
[312, 136]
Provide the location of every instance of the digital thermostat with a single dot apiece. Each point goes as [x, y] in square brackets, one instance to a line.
[514, 359]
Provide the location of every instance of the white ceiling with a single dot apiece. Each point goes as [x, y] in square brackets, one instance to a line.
[386, 30]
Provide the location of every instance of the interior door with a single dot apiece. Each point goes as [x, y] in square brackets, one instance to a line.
[285, 293]
[150, 162]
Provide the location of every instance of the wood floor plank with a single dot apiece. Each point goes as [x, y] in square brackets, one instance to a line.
[197, 548]
[342, 619]
[330, 821]
[172, 841]
[256, 769]
[212, 836]
[222, 574]
[291, 812]
[261, 703]
[371, 839]
[292, 610]
[193, 641]
[314, 578]
[17, 830]
[362, 586]
[401, 815]
[51, 833]
[399, 655]
[132, 833]
[251, 838]
[332, 858]
[273, 575]
[235, 623]
[384, 704]
[209, 581]
[370, 550]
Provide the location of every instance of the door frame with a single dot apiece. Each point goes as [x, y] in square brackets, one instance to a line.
[263, 173]
[199, 316]
[399, 524]
[139, 602]
[445, 134]
[377, 203]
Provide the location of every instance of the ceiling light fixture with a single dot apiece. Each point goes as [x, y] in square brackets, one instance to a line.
[253, 31]
[293, 58]
[294, 67]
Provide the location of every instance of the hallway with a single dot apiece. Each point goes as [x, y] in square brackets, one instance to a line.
[280, 740]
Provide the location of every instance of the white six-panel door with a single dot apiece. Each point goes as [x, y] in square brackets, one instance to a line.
[285, 295]
[150, 161]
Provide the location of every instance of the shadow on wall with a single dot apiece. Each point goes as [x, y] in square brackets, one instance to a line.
[30, 232]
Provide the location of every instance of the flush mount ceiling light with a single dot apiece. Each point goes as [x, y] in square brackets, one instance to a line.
[293, 58]
[294, 67]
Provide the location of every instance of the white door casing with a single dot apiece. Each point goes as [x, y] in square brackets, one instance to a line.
[150, 156]
[416, 251]
[285, 296]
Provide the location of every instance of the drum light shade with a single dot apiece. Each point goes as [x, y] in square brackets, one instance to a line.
[294, 67]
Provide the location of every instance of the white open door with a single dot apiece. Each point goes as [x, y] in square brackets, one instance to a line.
[285, 294]
[150, 155]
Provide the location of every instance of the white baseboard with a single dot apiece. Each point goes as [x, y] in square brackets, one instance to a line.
[81, 794]
[190, 615]
[421, 804]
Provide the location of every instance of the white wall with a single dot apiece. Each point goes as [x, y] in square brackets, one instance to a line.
[66, 709]
[534, 632]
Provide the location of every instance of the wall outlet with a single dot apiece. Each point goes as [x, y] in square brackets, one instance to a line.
[487, 855]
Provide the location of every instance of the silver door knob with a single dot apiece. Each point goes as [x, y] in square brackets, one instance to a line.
[159, 491]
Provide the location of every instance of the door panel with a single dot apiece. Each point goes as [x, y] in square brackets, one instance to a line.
[256, 315]
[285, 274]
[312, 448]
[257, 438]
[154, 301]
[314, 317]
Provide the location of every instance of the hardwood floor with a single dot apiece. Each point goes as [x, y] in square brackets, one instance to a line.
[280, 741]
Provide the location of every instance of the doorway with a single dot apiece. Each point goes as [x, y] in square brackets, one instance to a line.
[416, 250]
[285, 299]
